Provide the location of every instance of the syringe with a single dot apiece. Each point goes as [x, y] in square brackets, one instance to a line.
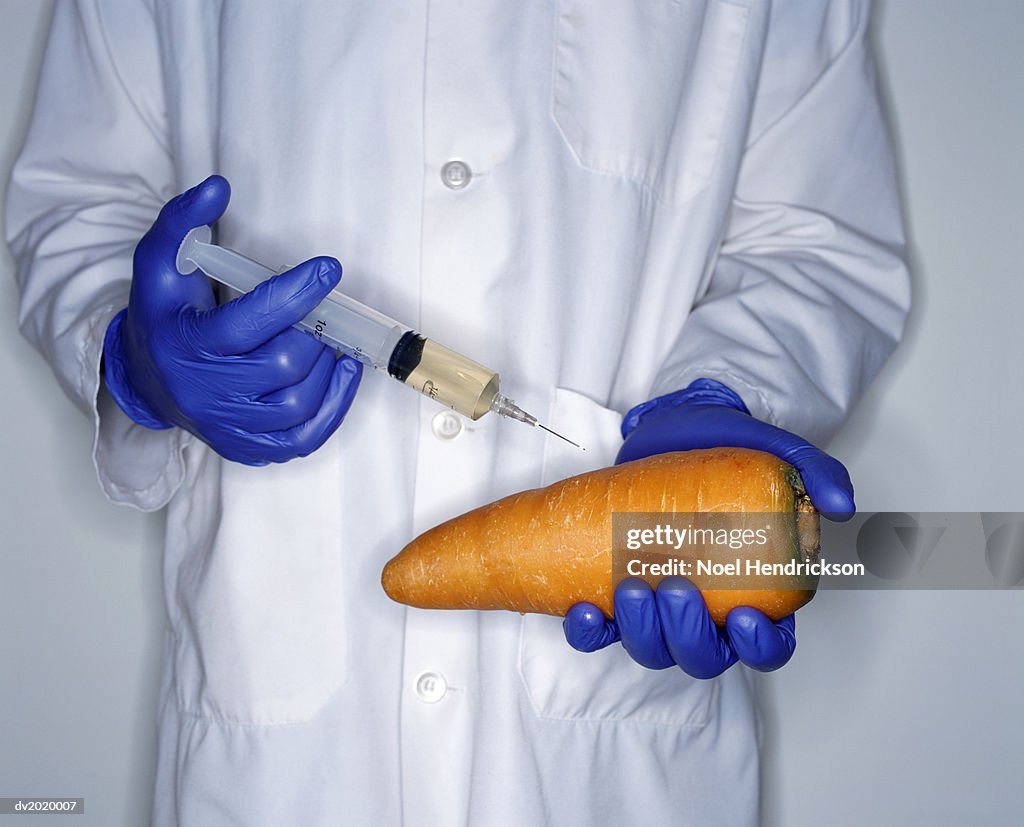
[369, 336]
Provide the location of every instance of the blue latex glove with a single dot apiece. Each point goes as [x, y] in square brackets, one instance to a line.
[238, 376]
[707, 414]
[672, 626]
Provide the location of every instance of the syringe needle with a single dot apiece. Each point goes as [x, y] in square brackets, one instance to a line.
[555, 433]
[504, 406]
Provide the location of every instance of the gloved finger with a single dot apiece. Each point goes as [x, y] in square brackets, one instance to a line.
[302, 440]
[639, 625]
[696, 644]
[245, 323]
[587, 629]
[827, 481]
[283, 361]
[708, 414]
[287, 407]
[760, 643]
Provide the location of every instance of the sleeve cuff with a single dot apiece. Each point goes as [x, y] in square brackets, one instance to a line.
[756, 401]
[135, 466]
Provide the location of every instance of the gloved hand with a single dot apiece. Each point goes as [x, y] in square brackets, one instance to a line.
[707, 414]
[238, 376]
[672, 626]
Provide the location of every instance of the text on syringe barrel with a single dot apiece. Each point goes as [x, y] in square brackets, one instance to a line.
[444, 375]
[378, 341]
[355, 329]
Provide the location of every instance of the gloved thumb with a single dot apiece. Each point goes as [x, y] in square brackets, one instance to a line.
[587, 630]
[156, 283]
[203, 204]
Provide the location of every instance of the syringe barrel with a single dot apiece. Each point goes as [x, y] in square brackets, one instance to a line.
[361, 332]
[355, 329]
[339, 321]
[444, 375]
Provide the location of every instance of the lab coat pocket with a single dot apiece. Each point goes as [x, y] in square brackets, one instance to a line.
[608, 685]
[642, 90]
[264, 637]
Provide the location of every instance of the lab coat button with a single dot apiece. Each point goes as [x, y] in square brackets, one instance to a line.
[430, 687]
[446, 425]
[456, 175]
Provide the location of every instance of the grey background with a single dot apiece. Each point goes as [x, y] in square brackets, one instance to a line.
[899, 707]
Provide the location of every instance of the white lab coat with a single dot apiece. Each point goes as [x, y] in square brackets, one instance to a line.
[660, 191]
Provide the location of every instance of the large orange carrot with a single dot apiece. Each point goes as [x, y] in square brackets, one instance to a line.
[546, 549]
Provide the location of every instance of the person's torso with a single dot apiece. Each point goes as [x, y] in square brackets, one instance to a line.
[596, 147]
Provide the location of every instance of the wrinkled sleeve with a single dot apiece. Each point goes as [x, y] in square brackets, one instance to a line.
[90, 179]
[810, 293]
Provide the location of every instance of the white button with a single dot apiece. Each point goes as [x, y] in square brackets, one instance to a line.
[430, 687]
[456, 175]
[446, 425]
